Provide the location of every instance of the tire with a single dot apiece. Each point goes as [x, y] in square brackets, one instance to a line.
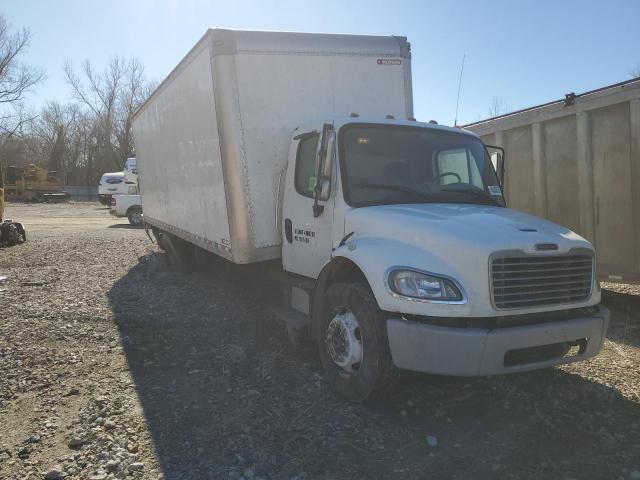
[135, 216]
[179, 254]
[375, 373]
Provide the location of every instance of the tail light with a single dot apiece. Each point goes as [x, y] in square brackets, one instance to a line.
[113, 202]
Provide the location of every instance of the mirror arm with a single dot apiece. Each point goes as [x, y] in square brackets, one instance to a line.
[322, 158]
[317, 208]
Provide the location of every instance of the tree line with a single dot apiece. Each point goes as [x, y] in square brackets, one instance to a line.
[80, 139]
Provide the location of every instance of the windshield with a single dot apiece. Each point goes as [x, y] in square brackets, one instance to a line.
[390, 164]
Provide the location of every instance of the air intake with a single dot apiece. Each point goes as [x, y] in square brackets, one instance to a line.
[520, 281]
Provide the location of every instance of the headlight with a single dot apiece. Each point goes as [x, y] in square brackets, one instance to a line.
[409, 283]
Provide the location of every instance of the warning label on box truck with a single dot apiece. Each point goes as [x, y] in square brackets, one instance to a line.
[389, 61]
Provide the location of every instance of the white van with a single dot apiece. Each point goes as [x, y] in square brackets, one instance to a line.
[114, 184]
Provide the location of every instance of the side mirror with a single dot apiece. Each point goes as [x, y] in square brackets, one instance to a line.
[497, 159]
[323, 186]
[324, 167]
[324, 189]
[327, 166]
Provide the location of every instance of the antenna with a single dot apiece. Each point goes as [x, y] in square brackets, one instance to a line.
[455, 121]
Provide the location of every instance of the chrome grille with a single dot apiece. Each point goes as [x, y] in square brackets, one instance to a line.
[520, 281]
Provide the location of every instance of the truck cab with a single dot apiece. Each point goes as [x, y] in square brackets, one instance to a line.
[418, 263]
[130, 170]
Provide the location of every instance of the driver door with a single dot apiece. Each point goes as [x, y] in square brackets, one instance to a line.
[306, 243]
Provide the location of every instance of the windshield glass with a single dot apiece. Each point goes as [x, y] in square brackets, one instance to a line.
[390, 164]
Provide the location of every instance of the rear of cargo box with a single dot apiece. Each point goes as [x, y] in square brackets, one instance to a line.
[213, 140]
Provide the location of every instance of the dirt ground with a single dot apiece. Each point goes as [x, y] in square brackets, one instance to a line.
[113, 366]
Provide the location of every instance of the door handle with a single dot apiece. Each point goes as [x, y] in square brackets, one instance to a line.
[288, 230]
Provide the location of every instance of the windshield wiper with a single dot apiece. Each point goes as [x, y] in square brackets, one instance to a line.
[474, 191]
[397, 188]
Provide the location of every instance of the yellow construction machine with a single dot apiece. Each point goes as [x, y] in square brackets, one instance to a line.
[33, 184]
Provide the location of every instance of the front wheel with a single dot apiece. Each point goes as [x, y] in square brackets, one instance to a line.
[352, 341]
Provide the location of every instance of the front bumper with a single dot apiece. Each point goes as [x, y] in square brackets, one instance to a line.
[481, 351]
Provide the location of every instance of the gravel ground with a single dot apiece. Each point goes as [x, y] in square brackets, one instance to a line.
[112, 366]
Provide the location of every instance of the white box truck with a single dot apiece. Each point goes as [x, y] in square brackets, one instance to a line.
[300, 150]
[130, 170]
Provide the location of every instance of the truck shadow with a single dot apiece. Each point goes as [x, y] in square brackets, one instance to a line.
[225, 396]
[624, 329]
[126, 226]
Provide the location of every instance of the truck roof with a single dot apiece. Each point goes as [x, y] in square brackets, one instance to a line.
[400, 121]
[225, 41]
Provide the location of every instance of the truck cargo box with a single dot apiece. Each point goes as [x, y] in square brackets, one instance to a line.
[212, 140]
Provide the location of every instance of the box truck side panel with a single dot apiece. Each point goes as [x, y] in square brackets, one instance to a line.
[180, 163]
[278, 92]
[220, 126]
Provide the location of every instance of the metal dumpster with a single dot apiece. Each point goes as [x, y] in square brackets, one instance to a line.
[576, 161]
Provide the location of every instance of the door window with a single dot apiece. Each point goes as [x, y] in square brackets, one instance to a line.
[456, 166]
[306, 165]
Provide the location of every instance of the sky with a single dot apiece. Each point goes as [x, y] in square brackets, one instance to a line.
[523, 52]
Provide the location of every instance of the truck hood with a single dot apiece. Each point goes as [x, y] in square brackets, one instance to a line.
[483, 229]
[454, 240]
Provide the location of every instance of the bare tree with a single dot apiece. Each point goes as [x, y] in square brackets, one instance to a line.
[135, 91]
[111, 97]
[16, 77]
[635, 72]
[497, 106]
[82, 139]
[54, 130]
[14, 120]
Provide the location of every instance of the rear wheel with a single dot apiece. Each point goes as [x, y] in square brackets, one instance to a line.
[135, 216]
[179, 254]
[352, 341]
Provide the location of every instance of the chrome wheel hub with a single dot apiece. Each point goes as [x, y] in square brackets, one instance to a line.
[344, 341]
